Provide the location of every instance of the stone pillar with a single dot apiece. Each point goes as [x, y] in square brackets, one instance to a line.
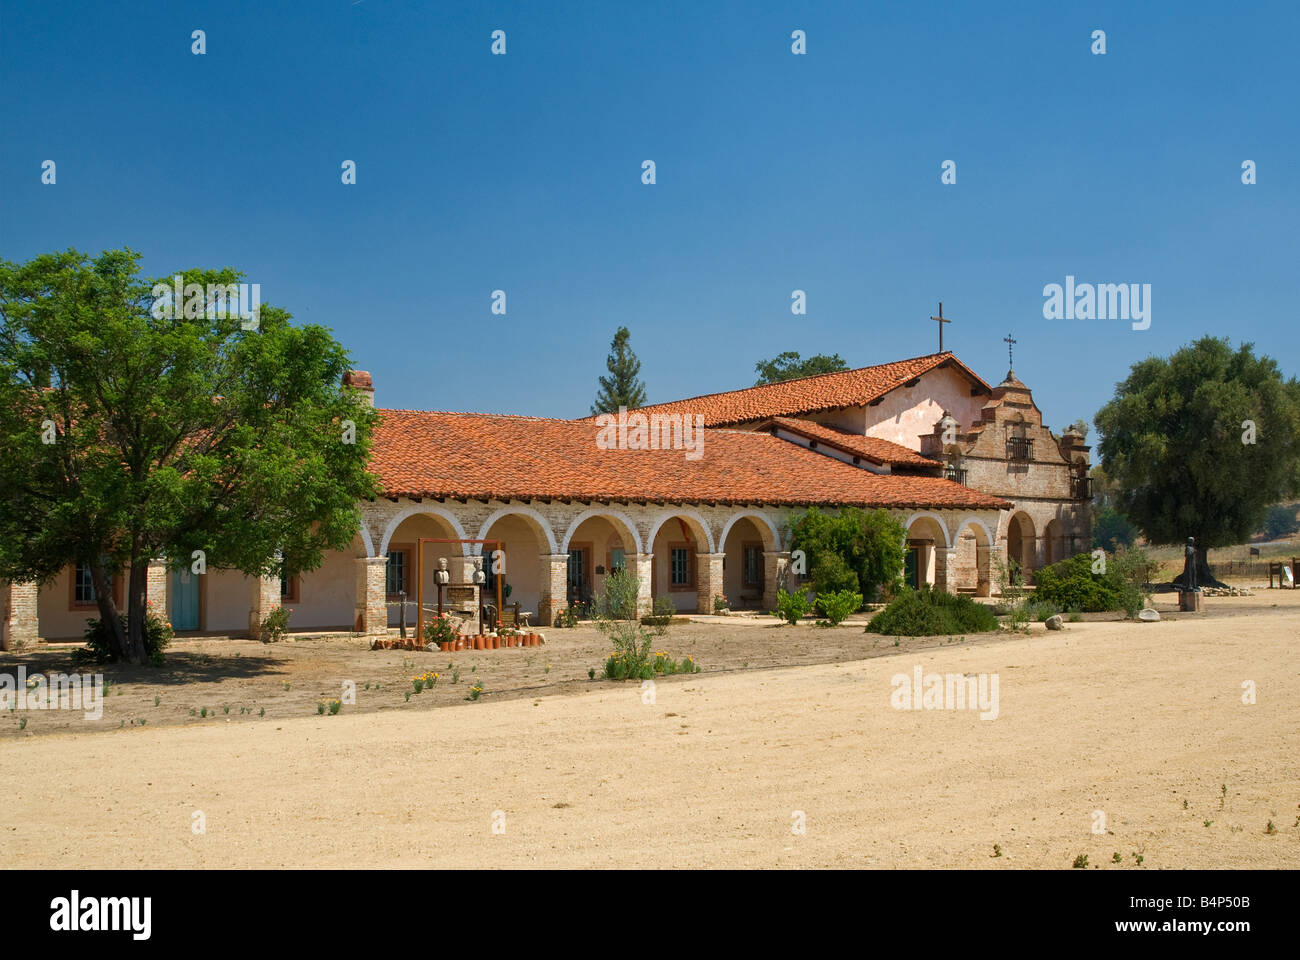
[554, 581]
[641, 566]
[19, 623]
[983, 570]
[155, 587]
[945, 569]
[372, 608]
[776, 576]
[266, 595]
[708, 580]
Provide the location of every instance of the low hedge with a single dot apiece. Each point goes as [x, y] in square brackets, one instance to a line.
[927, 613]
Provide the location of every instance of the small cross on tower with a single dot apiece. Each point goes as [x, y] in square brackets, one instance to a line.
[941, 320]
[1010, 342]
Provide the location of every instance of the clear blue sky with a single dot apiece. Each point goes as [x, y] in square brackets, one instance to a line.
[775, 172]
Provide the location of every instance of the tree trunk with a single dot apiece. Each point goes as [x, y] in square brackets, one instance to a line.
[108, 612]
[1204, 576]
[135, 612]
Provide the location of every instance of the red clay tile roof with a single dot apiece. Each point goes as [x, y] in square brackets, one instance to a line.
[489, 456]
[827, 391]
[871, 448]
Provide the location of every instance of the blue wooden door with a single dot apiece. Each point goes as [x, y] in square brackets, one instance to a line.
[183, 599]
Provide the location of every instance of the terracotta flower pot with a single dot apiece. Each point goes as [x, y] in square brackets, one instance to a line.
[445, 646]
[496, 643]
[458, 644]
[532, 639]
[478, 641]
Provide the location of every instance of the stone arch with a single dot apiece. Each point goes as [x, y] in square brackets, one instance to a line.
[629, 527]
[1053, 542]
[762, 521]
[422, 508]
[539, 523]
[938, 520]
[1021, 543]
[927, 550]
[699, 524]
[366, 540]
[973, 557]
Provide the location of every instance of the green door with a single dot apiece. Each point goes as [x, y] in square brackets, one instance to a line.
[910, 567]
[183, 599]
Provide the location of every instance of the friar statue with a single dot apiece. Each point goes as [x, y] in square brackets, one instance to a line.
[1189, 564]
[441, 576]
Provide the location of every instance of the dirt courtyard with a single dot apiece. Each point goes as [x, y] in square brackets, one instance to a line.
[1110, 737]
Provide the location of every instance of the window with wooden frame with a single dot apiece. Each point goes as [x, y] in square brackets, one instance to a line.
[81, 588]
[752, 573]
[681, 568]
[290, 588]
[398, 575]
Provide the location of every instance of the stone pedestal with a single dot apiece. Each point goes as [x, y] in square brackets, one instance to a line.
[1189, 601]
[708, 581]
[19, 621]
[371, 607]
[266, 595]
[554, 585]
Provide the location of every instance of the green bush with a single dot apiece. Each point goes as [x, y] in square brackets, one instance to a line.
[831, 574]
[790, 607]
[99, 644]
[661, 614]
[927, 613]
[1039, 609]
[276, 624]
[860, 550]
[836, 606]
[1071, 584]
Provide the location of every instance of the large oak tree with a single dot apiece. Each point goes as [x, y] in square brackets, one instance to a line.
[125, 436]
[1200, 444]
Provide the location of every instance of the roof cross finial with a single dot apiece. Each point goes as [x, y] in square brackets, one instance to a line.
[1010, 342]
[941, 319]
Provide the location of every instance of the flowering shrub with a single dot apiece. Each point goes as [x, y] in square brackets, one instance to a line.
[440, 630]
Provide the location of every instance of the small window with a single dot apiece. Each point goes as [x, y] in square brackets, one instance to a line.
[83, 586]
[679, 564]
[617, 559]
[288, 589]
[398, 573]
[753, 572]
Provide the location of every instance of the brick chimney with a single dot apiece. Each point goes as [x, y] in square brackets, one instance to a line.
[360, 380]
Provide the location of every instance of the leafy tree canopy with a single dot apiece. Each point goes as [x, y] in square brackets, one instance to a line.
[621, 388]
[857, 550]
[126, 436]
[1201, 443]
[788, 366]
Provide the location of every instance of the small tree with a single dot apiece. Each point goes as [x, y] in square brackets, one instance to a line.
[621, 388]
[788, 366]
[857, 550]
[128, 435]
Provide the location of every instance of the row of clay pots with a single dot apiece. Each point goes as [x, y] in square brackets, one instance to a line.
[492, 642]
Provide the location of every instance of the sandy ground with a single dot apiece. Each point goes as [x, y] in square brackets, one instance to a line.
[1142, 722]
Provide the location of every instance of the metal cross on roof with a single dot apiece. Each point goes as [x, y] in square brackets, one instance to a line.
[941, 321]
[1009, 341]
